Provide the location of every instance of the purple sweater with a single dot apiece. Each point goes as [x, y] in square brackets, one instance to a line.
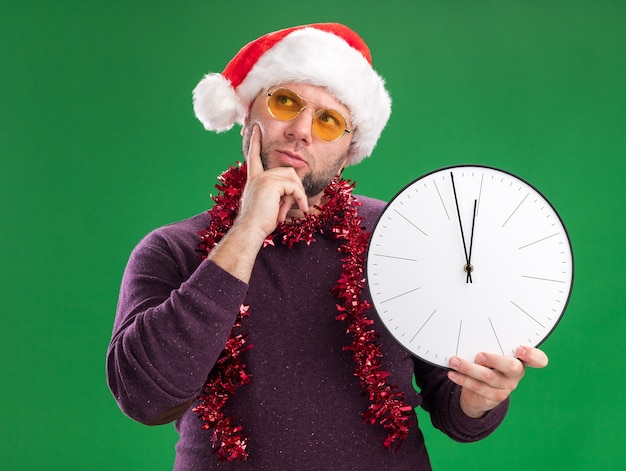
[302, 409]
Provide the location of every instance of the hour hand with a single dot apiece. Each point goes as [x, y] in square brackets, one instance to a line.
[469, 268]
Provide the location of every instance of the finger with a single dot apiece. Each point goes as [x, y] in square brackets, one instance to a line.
[286, 203]
[490, 385]
[531, 356]
[293, 189]
[486, 391]
[294, 196]
[302, 201]
[474, 371]
[508, 366]
[253, 159]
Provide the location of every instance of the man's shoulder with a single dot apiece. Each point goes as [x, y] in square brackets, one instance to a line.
[190, 224]
[371, 208]
[180, 233]
[369, 201]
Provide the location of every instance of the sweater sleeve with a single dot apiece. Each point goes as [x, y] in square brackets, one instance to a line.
[441, 399]
[174, 315]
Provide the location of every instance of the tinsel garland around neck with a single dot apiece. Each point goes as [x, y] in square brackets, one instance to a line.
[339, 216]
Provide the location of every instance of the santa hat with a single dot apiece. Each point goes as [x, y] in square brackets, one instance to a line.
[325, 54]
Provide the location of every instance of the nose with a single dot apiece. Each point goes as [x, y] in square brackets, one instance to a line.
[300, 128]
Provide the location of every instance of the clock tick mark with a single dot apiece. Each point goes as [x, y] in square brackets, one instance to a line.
[515, 210]
[537, 241]
[480, 192]
[496, 335]
[409, 221]
[400, 295]
[527, 314]
[441, 199]
[542, 279]
[395, 257]
[423, 325]
[458, 338]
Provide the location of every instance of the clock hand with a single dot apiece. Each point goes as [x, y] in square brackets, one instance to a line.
[458, 212]
[469, 268]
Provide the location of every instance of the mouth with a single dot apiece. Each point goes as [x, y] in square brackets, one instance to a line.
[291, 159]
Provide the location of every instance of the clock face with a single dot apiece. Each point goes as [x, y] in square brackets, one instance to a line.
[469, 259]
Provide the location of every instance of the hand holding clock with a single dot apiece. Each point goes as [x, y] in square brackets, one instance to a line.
[492, 378]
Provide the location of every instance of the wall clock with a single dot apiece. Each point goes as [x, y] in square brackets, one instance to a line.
[469, 259]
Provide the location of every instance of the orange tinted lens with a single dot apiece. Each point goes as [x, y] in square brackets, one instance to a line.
[284, 104]
[329, 124]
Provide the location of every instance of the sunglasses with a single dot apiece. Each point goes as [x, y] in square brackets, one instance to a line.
[286, 105]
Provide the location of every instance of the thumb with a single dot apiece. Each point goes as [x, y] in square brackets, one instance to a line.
[253, 158]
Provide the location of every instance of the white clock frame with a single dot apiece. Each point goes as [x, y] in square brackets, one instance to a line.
[521, 270]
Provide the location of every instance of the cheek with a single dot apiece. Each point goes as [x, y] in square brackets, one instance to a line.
[246, 131]
[258, 114]
[344, 160]
[270, 129]
[341, 156]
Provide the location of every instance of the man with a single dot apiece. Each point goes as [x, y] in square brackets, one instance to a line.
[250, 326]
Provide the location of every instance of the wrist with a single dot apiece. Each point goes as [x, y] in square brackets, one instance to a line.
[237, 251]
[469, 411]
[246, 235]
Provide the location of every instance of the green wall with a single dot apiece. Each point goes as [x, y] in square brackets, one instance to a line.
[98, 145]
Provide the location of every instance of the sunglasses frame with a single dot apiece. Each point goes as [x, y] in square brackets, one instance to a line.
[315, 114]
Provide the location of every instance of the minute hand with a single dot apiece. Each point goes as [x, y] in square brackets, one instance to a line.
[458, 212]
